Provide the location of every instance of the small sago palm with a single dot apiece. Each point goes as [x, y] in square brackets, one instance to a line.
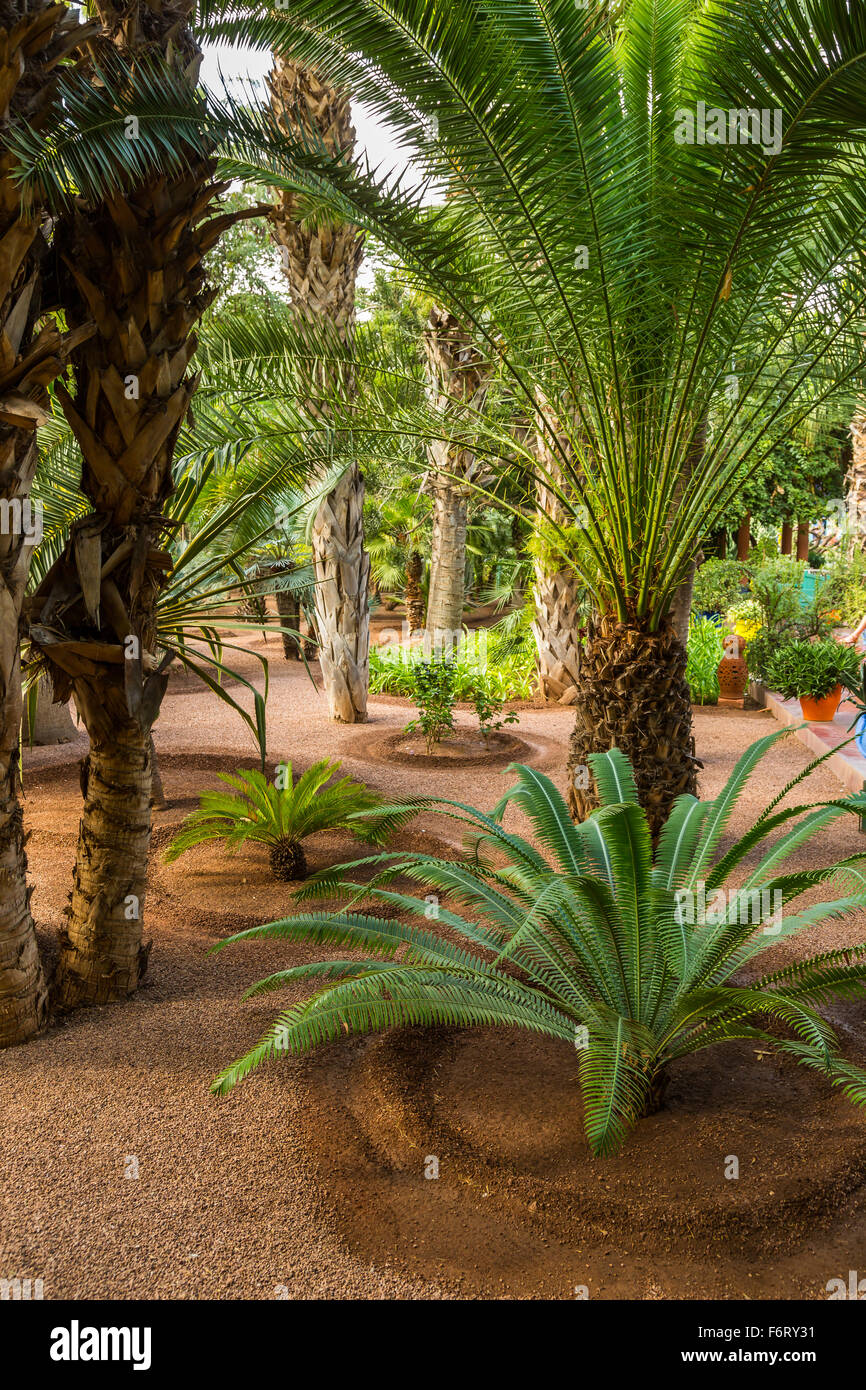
[280, 814]
[584, 935]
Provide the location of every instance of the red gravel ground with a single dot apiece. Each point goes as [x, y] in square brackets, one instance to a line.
[309, 1180]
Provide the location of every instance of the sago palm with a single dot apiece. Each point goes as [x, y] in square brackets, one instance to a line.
[585, 935]
[279, 814]
[652, 224]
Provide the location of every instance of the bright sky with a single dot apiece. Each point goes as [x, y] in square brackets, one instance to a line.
[238, 67]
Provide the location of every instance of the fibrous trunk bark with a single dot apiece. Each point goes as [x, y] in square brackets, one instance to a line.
[22, 988]
[632, 694]
[33, 38]
[321, 262]
[556, 627]
[855, 496]
[342, 570]
[102, 954]
[447, 560]
[457, 375]
[414, 595]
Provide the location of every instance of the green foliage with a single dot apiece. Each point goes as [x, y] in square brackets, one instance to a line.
[798, 480]
[282, 813]
[717, 586]
[488, 707]
[705, 650]
[845, 577]
[701, 260]
[759, 653]
[507, 664]
[814, 669]
[777, 587]
[590, 937]
[434, 689]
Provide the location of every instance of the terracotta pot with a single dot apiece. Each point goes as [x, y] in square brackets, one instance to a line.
[821, 711]
[733, 677]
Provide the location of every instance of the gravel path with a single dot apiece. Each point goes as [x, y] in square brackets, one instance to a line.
[122, 1177]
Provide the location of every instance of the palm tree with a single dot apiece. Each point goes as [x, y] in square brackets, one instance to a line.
[129, 259]
[33, 40]
[655, 214]
[321, 262]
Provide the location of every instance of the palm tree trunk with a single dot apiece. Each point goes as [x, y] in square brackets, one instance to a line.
[456, 373]
[556, 628]
[33, 38]
[102, 954]
[856, 483]
[414, 595]
[52, 723]
[289, 614]
[342, 570]
[632, 694]
[321, 263]
[447, 560]
[134, 265]
[556, 592]
[22, 989]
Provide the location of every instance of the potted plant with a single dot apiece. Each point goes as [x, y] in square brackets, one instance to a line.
[813, 673]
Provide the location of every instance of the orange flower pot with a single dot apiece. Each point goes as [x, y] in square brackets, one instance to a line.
[824, 710]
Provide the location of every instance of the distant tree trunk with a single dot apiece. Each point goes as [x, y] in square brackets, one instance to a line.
[321, 261]
[456, 373]
[856, 482]
[414, 595]
[289, 615]
[787, 541]
[447, 559]
[803, 540]
[744, 539]
[53, 722]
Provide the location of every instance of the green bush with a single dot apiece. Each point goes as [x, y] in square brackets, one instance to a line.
[508, 668]
[759, 652]
[717, 586]
[813, 669]
[705, 651]
[488, 708]
[777, 589]
[636, 957]
[435, 693]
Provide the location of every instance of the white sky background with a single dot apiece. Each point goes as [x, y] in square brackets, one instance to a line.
[238, 66]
